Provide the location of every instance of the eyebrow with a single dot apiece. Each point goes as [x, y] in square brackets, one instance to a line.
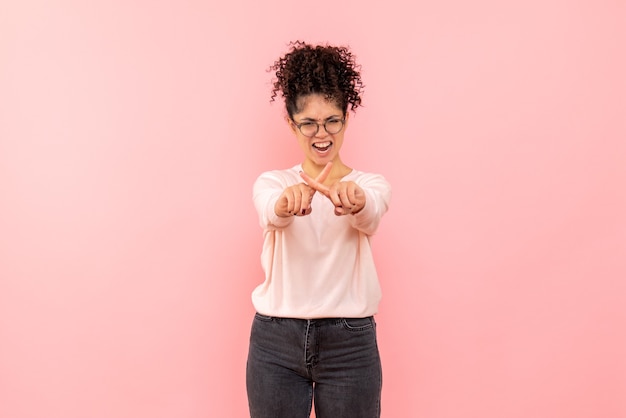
[315, 120]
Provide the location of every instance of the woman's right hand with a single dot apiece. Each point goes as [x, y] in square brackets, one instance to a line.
[296, 200]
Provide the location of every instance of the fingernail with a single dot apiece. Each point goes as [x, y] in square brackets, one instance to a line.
[303, 211]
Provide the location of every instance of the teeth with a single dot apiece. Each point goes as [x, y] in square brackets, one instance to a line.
[322, 145]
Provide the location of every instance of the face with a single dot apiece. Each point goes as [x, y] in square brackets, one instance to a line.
[323, 146]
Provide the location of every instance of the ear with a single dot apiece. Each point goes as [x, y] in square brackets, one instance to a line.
[291, 124]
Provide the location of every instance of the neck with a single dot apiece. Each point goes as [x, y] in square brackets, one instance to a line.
[338, 171]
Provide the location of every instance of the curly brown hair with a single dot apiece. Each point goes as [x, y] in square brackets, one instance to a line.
[322, 69]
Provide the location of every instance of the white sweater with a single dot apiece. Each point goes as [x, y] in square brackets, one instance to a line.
[319, 265]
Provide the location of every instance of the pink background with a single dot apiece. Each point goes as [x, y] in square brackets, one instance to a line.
[131, 133]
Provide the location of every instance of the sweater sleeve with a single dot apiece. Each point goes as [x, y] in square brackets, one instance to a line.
[377, 197]
[266, 190]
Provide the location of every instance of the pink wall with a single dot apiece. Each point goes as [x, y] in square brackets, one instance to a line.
[131, 133]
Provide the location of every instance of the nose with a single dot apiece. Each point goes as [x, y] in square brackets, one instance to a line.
[321, 131]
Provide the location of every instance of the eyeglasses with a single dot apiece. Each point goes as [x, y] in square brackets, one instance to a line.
[331, 126]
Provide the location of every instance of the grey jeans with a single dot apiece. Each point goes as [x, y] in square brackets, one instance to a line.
[332, 363]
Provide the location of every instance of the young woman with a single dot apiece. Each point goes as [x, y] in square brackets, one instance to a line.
[313, 338]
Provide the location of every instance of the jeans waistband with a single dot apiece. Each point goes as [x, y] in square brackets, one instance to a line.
[319, 321]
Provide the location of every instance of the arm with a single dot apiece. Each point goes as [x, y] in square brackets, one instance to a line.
[265, 193]
[377, 197]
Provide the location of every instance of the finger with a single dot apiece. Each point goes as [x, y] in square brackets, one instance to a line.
[321, 178]
[285, 202]
[297, 201]
[315, 184]
[305, 202]
[333, 195]
[352, 195]
[289, 196]
[340, 211]
[344, 197]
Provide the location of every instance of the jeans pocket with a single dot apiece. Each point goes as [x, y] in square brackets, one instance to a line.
[358, 324]
[262, 317]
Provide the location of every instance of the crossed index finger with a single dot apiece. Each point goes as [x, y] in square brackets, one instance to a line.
[317, 182]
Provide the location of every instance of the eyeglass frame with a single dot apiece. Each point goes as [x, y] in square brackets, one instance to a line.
[330, 119]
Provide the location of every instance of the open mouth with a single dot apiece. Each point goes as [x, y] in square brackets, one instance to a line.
[322, 146]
